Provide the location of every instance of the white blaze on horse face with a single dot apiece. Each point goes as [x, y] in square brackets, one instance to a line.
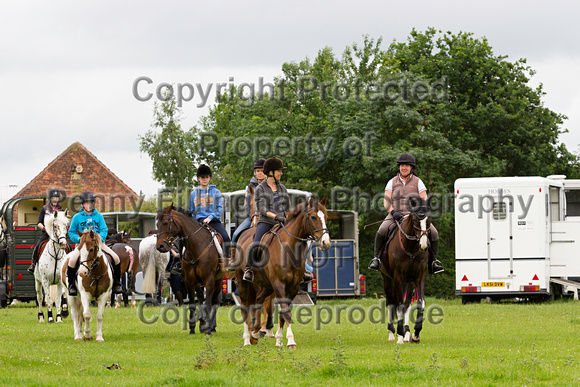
[325, 240]
[424, 240]
[83, 271]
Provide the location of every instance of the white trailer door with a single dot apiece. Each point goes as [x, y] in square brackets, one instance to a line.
[500, 239]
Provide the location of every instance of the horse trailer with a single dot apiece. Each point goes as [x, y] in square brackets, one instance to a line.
[336, 271]
[21, 217]
[517, 237]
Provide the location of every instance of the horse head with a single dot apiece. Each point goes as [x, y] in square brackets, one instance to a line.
[90, 251]
[167, 229]
[421, 218]
[59, 227]
[315, 222]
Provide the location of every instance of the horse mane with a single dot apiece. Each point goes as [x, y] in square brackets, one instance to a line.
[294, 212]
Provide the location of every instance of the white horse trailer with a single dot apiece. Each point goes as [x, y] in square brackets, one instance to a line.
[517, 237]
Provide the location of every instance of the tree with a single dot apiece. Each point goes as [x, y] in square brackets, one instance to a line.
[170, 148]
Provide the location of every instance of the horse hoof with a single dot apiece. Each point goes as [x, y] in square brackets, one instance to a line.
[79, 339]
[192, 331]
[291, 346]
[50, 321]
[253, 340]
[101, 340]
[262, 334]
[88, 338]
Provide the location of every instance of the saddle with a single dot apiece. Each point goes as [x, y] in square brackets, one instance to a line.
[42, 246]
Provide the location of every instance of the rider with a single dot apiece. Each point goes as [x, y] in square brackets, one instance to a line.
[272, 202]
[206, 203]
[397, 192]
[247, 223]
[49, 208]
[89, 218]
[257, 179]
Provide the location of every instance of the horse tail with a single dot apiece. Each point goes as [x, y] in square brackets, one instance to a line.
[148, 268]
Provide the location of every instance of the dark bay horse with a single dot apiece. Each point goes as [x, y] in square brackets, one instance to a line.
[200, 264]
[283, 270]
[404, 269]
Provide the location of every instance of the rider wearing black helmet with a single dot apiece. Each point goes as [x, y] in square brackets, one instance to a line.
[397, 193]
[88, 218]
[49, 208]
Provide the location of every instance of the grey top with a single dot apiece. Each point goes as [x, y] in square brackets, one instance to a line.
[264, 197]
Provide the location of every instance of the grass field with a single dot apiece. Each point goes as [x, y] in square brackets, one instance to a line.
[476, 344]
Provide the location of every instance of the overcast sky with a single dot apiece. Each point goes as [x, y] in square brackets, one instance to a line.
[67, 68]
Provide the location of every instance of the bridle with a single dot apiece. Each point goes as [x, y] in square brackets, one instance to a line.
[95, 261]
[311, 232]
[418, 234]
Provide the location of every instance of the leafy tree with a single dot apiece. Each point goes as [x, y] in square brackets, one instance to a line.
[169, 147]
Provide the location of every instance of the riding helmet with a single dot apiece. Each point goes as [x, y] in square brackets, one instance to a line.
[203, 171]
[259, 164]
[88, 197]
[53, 193]
[273, 164]
[406, 158]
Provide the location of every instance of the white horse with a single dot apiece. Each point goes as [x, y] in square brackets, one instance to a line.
[153, 264]
[94, 280]
[49, 268]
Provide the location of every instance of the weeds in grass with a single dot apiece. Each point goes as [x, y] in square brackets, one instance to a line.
[338, 359]
[569, 360]
[305, 365]
[433, 365]
[397, 356]
[464, 363]
[207, 356]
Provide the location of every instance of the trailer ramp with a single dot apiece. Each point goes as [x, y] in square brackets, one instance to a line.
[570, 284]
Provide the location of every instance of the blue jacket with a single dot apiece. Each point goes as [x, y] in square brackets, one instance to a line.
[206, 203]
[83, 221]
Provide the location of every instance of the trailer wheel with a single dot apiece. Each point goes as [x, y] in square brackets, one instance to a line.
[3, 302]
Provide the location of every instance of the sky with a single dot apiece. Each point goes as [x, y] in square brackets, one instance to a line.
[68, 69]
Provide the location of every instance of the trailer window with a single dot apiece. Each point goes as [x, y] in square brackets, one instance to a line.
[572, 202]
[499, 211]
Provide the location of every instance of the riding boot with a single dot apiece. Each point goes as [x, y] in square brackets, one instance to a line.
[232, 265]
[380, 241]
[248, 273]
[435, 265]
[307, 277]
[34, 260]
[71, 274]
[117, 287]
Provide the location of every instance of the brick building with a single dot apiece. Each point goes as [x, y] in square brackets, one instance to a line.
[76, 170]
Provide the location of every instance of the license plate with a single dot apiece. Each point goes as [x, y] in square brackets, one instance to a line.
[493, 284]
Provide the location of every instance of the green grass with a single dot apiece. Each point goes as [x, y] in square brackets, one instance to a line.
[477, 344]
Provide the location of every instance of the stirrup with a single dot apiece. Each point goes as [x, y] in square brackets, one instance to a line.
[307, 277]
[231, 266]
[248, 275]
[437, 267]
[175, 270]
[375, 264]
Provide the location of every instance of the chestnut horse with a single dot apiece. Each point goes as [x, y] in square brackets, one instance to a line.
[283, 270]
[200, 264]
[404, 268]
[94, 280]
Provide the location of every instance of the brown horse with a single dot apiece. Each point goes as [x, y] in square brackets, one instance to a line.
[404, 269]
[94, 282]
[283, 270]
[200, 264]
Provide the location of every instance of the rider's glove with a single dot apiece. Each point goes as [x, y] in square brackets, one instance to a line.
[397, 215]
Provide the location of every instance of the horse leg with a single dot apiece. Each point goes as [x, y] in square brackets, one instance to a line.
[39, 299]
[192, 313]
[87, 317]
[57, 301]
[268, 311]
[415, 338]
[286, 315]
[47, 300]
[75, 306]
[391, 327]
[100, 315]
[400, 323]
[215, 304]
[406, 326]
